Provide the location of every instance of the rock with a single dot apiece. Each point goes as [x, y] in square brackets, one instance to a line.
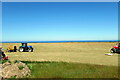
[12, 70]
[6, 64]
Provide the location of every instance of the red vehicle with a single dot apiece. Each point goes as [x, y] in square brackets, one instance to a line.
[115, 49]
[2, 55]
[5, 58]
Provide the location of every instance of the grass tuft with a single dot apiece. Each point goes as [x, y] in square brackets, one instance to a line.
[16, 61]
[20, 67]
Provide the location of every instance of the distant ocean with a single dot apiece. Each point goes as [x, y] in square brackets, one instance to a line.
[59, 41]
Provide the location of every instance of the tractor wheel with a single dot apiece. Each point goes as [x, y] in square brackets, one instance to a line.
[21, 49]
[30, 50]
[112, 51]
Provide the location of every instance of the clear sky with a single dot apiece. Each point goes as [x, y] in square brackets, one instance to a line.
[41, 21]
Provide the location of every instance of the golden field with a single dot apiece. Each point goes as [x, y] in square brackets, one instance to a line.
[82, 52]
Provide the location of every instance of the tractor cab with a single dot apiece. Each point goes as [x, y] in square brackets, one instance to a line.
[25, 48]
[24, 44]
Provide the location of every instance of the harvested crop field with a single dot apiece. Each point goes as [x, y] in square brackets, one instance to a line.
[82, 52]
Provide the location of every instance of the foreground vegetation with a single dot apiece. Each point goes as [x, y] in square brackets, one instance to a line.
[70, 70]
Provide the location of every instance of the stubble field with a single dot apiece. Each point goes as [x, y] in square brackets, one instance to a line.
[82, 52]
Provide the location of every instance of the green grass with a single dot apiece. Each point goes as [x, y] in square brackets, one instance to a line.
[71, 70]
[4, 61]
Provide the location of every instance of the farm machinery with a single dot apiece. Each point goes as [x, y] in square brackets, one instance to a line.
[12, 49]
[25, 48]
[2, 55]
[115, 49]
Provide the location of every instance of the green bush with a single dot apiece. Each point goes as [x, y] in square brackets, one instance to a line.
[16, 61]
[3, 61]
[20, 67]
[9, 61]
[13, 77]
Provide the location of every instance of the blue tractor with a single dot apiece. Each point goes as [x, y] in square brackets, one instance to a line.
[25, 48]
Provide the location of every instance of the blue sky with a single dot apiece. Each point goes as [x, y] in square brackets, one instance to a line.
[41, 21]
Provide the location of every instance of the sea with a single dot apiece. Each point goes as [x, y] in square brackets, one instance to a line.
[60, 41]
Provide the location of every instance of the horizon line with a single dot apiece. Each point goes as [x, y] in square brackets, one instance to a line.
[56, 41]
